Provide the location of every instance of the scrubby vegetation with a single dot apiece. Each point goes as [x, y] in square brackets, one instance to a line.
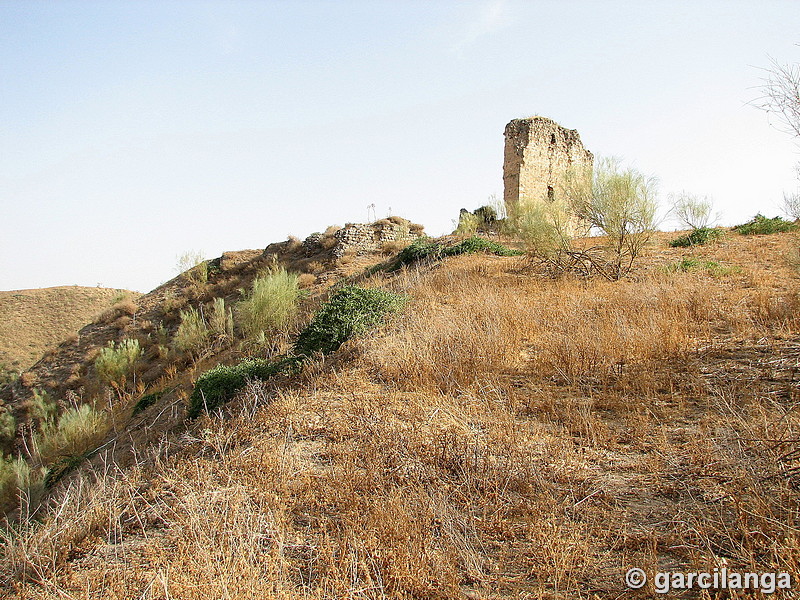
[75, 431]
[427, 249]
[505, 435]
[712, 267]
[116, 361]
[218, 385]
[618, 202]
[193, 267]
[697, 237]
[270, 305]
[761, 225]
[350, 311]
[193, 333]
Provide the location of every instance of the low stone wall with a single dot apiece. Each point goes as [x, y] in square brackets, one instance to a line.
[366, 238]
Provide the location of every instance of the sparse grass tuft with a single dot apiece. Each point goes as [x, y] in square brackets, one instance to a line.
[73, 434]
[8, 427]
[193, 332]
[270, 305]
[712, 267]
[116, 361]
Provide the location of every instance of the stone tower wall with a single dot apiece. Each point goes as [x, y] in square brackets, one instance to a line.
[538, 154]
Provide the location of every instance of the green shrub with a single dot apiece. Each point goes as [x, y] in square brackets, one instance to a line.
[43, 408]
[217, 386]
[61, 467]
[146, 401]
[193, 333]
[421, 249]
[116, 361]
[761, 225]
[350, 311]
[7, 374]
[474, 245]
[221, 320]
[620, 202]
[270, 305]
[487, 215]
[697, 237]
[424, 248]
[468, 223]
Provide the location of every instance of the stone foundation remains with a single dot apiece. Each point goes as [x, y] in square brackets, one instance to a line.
[365, 238]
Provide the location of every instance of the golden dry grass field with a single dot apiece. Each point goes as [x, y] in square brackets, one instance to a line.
[31, 321]
[506, 435]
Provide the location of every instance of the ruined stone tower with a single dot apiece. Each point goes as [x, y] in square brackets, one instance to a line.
[538, 153]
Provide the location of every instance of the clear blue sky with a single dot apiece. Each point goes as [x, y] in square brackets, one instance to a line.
[131, 132]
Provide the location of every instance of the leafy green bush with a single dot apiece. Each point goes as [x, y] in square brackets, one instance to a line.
[761, 225]
[271, 303]
[146, 401]
[424, 248]
[697, 237]
[116, 361]
[350, 311]
[217, 386]
[474, 245]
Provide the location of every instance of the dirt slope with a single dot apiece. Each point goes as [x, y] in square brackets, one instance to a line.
[31, 321]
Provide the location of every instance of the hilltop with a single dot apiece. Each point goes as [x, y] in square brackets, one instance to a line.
[31, 321]
[504, 433]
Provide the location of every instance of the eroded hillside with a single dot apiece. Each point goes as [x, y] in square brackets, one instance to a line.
[505, 435]
[31, 321]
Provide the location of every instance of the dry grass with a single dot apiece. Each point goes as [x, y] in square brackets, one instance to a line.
[507, 436]
[393, 247]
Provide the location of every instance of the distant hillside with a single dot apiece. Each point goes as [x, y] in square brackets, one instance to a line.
[31, 321]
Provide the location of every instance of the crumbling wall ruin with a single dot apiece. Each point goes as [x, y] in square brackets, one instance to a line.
[366, 238]
[538, 154]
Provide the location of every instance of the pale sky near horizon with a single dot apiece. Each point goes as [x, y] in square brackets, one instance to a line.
[131, 132]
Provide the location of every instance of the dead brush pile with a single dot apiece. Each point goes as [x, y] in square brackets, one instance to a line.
[505, 436]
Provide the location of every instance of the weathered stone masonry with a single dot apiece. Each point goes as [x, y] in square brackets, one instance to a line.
[538, 154]
[365, 238]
